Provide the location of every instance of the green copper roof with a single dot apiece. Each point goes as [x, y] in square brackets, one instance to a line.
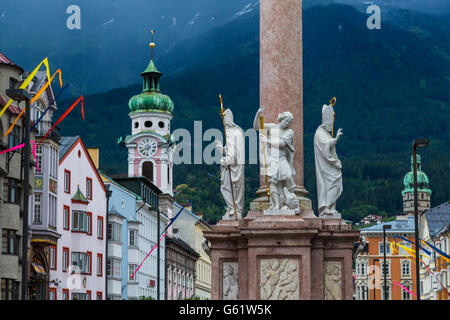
[79, 196]
[151, 68]
[423, 184]
[151, 99]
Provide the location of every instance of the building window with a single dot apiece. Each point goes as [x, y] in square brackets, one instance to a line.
[161, 124]
[387, 267]
[99, 264]
[82, 261]
[88, 294]
[113, 268]
[133, 238]
[38, 168]
[52, 294]
[131, 269]
[52, 211]
[89, 188]
[99, 295]
[388, 248]
[14, 137]
[81, 221]
[66, 181]
[89, 223]
[388, 291]
[405, 294]
[100, 227]
[10, 289]
[11, 191]
[406, 269]
[10, 242]
[114, 231]
[53, 257]
[65, 294]
[65, 262]
[13, 83]
[37, 208]
[66, 217]
[79, 296]
[402, 251]
[148, 124]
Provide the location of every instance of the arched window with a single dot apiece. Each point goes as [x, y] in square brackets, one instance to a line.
[147, 170]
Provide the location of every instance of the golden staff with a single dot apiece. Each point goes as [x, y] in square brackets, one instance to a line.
[332, 103]
[222, 114]
[261, 126]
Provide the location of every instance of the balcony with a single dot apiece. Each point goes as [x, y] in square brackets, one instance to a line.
[44, 126]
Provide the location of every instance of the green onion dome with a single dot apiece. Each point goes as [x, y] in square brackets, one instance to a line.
[423, 184]
[151, 99]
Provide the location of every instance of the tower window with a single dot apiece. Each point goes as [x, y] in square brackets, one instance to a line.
[148, 124]
[136, 125]
[147, 170]
[161, 124]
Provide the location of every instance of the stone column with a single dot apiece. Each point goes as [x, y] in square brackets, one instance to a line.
[281, 76]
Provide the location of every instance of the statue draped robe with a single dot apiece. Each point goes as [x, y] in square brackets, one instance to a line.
[235, 156]
[328, 169]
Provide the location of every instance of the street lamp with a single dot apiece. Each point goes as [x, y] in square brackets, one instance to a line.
[374, 280]
[21, 95]
[385, 226]
[418, 143]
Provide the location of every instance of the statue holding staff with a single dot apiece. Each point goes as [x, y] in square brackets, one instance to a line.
[232, 167]
[328, 165]
[280, 157]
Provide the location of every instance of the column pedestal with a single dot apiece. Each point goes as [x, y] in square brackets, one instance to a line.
[282, 258]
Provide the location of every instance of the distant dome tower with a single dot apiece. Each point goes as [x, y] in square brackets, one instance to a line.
[149, 145]
[423, 189]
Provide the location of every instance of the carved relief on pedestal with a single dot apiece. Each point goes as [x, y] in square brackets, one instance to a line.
[230, 287]
[279, 279]
[333, 280]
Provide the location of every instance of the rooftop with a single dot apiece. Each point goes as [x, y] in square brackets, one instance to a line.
[401, 224]
[438, 217]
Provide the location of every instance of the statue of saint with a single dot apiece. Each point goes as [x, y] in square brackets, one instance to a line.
[230, 283]
[328, 166]
[280, 158]
[232, 168]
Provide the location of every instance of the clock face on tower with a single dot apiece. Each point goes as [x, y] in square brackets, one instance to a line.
[147, 147]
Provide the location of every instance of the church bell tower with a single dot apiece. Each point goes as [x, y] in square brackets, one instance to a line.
[150, 143]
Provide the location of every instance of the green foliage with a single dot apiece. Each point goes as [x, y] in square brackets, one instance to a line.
[146, 298]
[391, 87]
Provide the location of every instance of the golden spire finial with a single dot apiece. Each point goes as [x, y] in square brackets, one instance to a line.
[152, 44]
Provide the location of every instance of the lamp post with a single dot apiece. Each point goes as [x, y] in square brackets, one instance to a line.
[385, 226]
[374, 280]
[418, 143]
[21, 95]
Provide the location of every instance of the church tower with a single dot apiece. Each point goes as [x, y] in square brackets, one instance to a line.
[150, 143]
[423, 190]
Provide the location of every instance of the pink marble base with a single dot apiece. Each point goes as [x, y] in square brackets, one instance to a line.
[311, 241]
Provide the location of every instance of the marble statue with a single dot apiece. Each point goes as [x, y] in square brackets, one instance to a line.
[279, 279]
[230, 281]
[279, 144]
[233, 161]
[328, 166]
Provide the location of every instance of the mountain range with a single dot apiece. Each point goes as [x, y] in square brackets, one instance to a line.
[391, 87]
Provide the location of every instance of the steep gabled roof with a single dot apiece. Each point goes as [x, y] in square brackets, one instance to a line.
[5, 60]
[438, 217]
[67, 145]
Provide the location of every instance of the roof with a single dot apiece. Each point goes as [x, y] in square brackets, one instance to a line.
[66, 144]
[199, 219]
[5, 60]
[438, 217]
[397, 225]
[151, 68]
[78, 196]
[182, 245]
[423, 183]
[12, 108]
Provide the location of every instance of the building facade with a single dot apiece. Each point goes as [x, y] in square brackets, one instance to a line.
[434, 224]
[149, 233]
[190, 228]
[43, 202]
[79, 272]
[12, 186]
[400, 267]
[181, 260]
